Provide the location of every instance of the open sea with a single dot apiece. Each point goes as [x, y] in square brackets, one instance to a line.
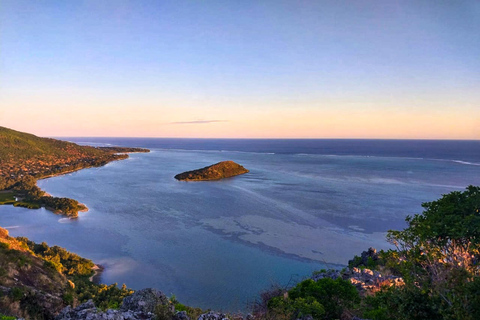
[305, 205]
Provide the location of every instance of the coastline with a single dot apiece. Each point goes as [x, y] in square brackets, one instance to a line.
[97, 273]
[85, 209]
[80, 207]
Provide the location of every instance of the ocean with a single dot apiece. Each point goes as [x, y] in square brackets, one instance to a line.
[304, 206]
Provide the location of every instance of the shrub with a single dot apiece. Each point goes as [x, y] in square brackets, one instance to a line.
[17, 293]
[322, 299]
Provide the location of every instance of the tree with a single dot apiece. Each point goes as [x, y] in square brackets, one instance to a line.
[447, 232]
[438, 252]
[322, 299]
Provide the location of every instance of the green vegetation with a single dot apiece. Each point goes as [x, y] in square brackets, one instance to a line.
[437, 256]
[322, 299]
[193, 313]
[32, 197]
[78, 270]
[7, 197]
[217, 171]
[123, 149]
[167, 312]
[24, 158]
[4, 317]
[104, 296]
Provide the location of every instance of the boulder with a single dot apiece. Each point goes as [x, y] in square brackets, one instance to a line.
[365, 280]
[181, 315]
[212, 316]
[140, 305]
[144, 300]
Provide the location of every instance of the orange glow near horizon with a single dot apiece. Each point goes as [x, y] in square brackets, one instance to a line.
[126, 120]
[278, 69]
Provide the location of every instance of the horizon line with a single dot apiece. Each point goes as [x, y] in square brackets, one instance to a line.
[383, 139]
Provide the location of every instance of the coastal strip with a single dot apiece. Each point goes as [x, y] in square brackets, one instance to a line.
[21, 166]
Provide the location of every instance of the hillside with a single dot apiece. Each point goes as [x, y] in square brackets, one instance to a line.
[29, 287]
[221, 170]
[23, 154]
[25, 146]
[38, 281]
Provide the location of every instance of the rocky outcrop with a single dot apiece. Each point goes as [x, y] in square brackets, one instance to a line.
[212, 316]
[144, 300]
[365, 280]
[88, 311]
[221, 170]
[140, 305]
[181, 315]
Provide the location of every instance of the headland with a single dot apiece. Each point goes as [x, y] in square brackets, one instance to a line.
[26, 158]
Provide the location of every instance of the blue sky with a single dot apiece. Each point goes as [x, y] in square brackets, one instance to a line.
[300, 69]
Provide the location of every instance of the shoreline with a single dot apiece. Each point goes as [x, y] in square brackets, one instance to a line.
[84, 207]
[97, 273]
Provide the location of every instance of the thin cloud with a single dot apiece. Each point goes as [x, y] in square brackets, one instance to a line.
[198, 121]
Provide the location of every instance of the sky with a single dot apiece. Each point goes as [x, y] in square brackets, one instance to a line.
[241, 69]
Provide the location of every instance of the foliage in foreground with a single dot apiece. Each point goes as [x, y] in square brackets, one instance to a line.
[437, 255]
[78, 270]
[322, 299]
[4, 317]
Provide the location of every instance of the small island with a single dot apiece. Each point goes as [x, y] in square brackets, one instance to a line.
[221, 170]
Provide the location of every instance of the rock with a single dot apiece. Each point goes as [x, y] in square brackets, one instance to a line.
[181, 315]
[212, 316]
[87, 305]
[139, 306]
[331, 273]
[144, 300]
[83, 311]
[365, 280]
[221, 170]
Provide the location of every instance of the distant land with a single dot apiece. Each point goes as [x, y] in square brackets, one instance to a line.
[221, 170]
[25, 158]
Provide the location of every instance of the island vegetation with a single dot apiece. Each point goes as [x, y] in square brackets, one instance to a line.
[25, 158]
[433, 273]
[221, 170]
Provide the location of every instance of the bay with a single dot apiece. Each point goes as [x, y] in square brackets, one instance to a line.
[305, 205]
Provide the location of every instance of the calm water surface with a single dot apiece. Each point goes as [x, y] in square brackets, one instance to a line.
[305, 205]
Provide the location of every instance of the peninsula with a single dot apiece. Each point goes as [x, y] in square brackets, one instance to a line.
[221, 170]
[26, 158]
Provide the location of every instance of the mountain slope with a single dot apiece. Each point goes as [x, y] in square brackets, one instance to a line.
[24, 145]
